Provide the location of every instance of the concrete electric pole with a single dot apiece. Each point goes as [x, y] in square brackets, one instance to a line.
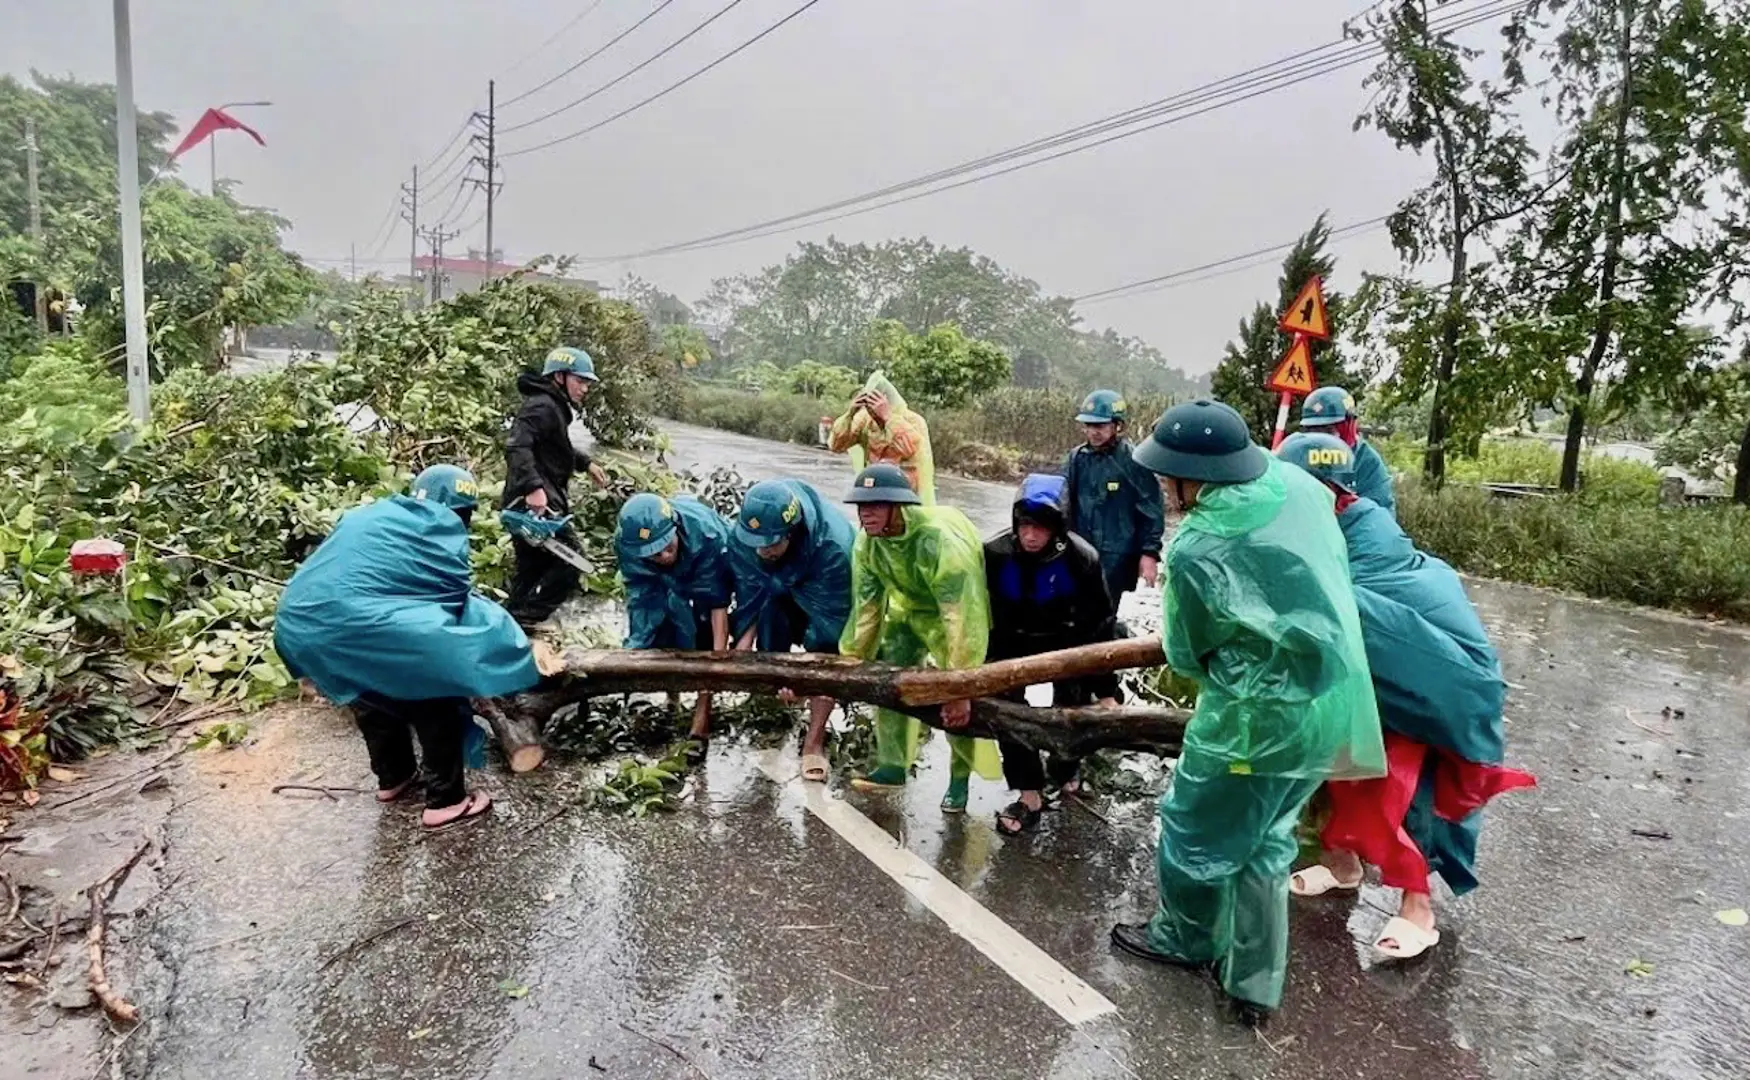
[490, 164]
[127, 153]
[36, 220]
[410, 214]
[437, 237]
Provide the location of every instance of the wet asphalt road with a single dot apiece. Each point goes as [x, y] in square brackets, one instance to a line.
[741, 937]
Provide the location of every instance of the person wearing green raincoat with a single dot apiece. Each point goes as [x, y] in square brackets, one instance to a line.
[792, 560]
[878, 427]
[918, 594]
[674, 559]
[383, 618]
[1260, 613]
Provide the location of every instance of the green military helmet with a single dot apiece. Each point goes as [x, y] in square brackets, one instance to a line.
[572, 361]
[447, 485]
[647, 524]
[1102, 407]
[1325, 456]
[883, 483]
[1326, 407]
[1204, 441]
[772, 508]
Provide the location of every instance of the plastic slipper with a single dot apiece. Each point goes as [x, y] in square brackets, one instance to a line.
[816, 768]
[389, 795]
[1017, 818]
[475, 805]
[1317, 880]
[1408, 940]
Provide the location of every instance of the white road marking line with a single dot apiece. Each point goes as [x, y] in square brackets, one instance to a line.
[1049, 981]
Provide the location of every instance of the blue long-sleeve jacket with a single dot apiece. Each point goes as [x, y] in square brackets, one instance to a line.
[1115, 505]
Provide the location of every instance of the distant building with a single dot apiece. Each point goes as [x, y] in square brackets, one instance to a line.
[467, 275]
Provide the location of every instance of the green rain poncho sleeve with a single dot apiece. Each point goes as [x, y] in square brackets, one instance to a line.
[904, 441]
[1260, 611]
[922, 596]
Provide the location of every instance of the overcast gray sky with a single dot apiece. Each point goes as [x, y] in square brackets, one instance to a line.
[850, 96]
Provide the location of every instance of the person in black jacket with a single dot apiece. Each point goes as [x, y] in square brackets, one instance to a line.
[1047, 592]
[539, 464]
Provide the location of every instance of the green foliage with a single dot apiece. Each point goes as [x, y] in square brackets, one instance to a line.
[640, 788]
[825, 382]
[1685, 558]
[940, 369]
[1716, 441]
[1606, 479]
[223, 735]
[1253, 355]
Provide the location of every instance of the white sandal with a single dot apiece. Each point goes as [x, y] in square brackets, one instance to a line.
[1317, 880]
[1409, 940]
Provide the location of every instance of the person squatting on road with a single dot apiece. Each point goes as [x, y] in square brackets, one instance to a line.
[878, 427]
[1330, 410]
[382, 618]
[1258, 610]
[917, 595]
[1440, 693]
[792, 563]
[1114, 503]
[1047, 592]
[674, 561]
[539, 463]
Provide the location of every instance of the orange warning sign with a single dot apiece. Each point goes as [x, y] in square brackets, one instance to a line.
[1307, 314]
[1294, 375]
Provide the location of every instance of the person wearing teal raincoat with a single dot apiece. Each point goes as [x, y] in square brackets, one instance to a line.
[1441, 695]
[382, 618]
[1260, 613]
[792, 560]
[1331, 410]
[674, 560]
[1114, 503]
[918, 594]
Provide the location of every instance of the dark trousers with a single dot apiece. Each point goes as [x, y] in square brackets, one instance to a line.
[390, 726]
[1027, 769]
[541, 583]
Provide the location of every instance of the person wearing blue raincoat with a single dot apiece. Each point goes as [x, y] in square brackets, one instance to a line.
[1258, 610]
[1114, 503]
[792, 560]
[1441, 695]
[1330, 410]
[382, 618]
[674, 560]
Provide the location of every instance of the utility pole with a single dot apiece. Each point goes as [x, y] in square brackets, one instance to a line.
[410, 214]
[352, 261]
[436, 236]
[36, 221]
[490, 163]
[127, 152]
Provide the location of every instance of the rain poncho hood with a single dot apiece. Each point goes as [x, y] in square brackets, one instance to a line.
[815, 573]
[1260, 611]
[678, 597]
[922, 596]
[904, 440]
[384, 606]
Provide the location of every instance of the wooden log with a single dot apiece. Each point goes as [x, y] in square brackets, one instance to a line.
[518, 732]
[1070, 732]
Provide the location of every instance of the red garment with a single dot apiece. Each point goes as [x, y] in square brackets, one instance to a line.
[1349, 430]
[1367, 816]
[213, 120]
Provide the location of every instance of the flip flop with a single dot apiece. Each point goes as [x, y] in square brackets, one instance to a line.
[389, 795]
[816, 768]
[472, 807]
[1408, 940]
[1317, 880]
[1024, 818]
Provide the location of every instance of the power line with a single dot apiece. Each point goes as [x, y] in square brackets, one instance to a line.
[1268, 78]
[610, 84]
[383, 233]
[460, 131]
[665, 91]
[616, 40]
[551, 38]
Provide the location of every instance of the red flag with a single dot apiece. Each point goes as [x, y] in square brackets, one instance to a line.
[213, 120]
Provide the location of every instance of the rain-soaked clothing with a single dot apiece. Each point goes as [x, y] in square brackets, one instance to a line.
[1373, 478]
[1115, 505]
[1440, 692]
[921, 597]
[1259, 610]
[669, 607]
[904, 440]
[810, 585]
[385, 607]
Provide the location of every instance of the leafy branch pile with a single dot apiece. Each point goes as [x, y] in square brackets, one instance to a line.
[237, 478]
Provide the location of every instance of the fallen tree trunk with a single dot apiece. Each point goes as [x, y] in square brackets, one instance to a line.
[519, 734]
[593, 672]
